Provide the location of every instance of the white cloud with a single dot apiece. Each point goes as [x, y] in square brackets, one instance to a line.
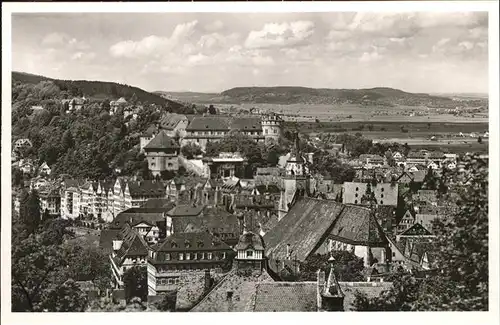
[54, 39]
[467, 45]
[83, 56]
[152, 44]
[214, 26]
[280, 35]
[370, 56]
[263, 60]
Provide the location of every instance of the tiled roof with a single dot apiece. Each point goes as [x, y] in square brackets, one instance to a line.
[304, 225]
[146, 188]
[286, 296]
[250, 239]
[170, 121]
[188, 241]
[213, 123]
[185, 210]
[357, 225]
[133, 244]
[246, 124]
[274, 171]
[162, 141]
[150, 131]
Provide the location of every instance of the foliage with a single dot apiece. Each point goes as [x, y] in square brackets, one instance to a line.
[45, 268]
[191, 150]
[330, 166]
[135, 280]
[212, 110]
[460, 253]
[29, 210]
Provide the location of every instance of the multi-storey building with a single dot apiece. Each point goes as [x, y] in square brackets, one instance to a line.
[71, 196]
[385, 193]
[133, 194]
[272, 124]
[205, 129]
[162, 153]
[181, 257]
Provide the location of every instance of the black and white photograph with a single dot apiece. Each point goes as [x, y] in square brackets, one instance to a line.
[238, 160]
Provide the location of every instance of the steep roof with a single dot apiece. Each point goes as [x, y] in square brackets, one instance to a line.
[170, 121]
[106, 238]
[246, 124]
[250, 239]
[286, 296]
[357, 225]
[303, 226]
[217, 123]
[162, 141]
[200, 241]
[133, 244]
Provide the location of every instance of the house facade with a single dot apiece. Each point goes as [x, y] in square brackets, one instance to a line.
[386, 194]
[162, 153]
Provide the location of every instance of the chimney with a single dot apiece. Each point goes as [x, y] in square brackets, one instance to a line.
[229, 299]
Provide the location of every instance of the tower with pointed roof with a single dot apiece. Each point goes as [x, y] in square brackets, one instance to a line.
[295, 182]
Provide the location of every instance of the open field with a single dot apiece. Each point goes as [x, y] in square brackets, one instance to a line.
[360, 113]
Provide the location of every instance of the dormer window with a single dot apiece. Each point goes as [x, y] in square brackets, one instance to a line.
[200, 243]
[249, 253]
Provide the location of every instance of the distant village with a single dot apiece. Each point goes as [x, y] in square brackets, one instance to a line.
[223, 242]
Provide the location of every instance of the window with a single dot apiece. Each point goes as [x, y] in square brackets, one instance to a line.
[249, 253]
[224, 255]
[355, 201]
[167, 256]
[275, 131]
[202, 256]
[181, 256]
[356, 195]
[382, 189]
[209, 256]
[381, 202]
[188, 256]
[393, 254]
[170, 164]
[229, 295]
[382, 195]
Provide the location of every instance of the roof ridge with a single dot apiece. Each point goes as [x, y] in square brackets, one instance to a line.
[218, 285]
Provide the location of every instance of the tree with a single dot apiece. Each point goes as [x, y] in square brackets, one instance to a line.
[29, 210]
[168, 302]
[460, 254]
[17, 177]
[136, 283]
[430, 181]
[191, 150]
[212, 110]
[146, 172]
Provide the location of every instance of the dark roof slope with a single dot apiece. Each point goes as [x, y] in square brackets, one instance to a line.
[106, 239]
[185, 210]
[136, 216]
[286, 296]
[146, 188]
[133, 244]
[304, 225]
[200, 241]
[250, 239]
[218, 123]
[161, 204]
[357, 225]
[162, 141]
[246, 124]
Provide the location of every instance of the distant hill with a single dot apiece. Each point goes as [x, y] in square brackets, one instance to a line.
[98, 89]
[190, 97]
[298, 95]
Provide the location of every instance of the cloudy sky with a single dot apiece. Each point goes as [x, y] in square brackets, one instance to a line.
[417, 52]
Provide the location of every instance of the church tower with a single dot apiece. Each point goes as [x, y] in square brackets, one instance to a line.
[295, 183]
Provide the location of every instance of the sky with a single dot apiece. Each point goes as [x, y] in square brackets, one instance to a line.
[428, 52]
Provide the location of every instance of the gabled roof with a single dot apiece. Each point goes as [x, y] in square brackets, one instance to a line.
[135, 216]
[133, 244]
[303, 226]
[162, 141]
[188, 241]
[357, 225]
[161, 204]
[416, 229]
[106, 238]
[250, 240]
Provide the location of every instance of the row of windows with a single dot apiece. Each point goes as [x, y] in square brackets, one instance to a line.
[381, 190]
[356, 202]
[191, 256]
